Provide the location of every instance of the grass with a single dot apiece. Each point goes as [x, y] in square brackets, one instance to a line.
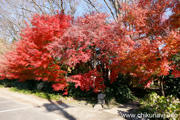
[54, 96]
[37, 93]
[46, 92]
[24, 89]
[49, 96]
[21, 91]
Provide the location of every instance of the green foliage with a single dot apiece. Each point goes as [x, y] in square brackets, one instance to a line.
[37, 88]
[121, 93]
[172, 86]
[119, 90]
[29, 85]
[155, 104]
[44, 95]
[1, 86]
[48, 96]
[21, 90]
[116, 92]
[6, 83]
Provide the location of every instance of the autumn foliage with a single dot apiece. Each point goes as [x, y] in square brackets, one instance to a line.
[30, 58]
[155, 40]
[56, 48]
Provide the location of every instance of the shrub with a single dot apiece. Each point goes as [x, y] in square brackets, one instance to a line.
[155, 104]
[119, 90]
[172, 86]
[32, 85]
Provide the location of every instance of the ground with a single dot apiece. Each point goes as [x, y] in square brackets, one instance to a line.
[19, 107]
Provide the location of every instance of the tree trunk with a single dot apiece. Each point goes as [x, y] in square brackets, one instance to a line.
[162, 86]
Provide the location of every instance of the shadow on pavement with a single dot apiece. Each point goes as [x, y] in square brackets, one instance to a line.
[129, 114]
[130, 105]
[60, 106]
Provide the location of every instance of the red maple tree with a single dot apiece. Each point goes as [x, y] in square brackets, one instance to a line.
[141, 44]
[30, 59]
[155, 41]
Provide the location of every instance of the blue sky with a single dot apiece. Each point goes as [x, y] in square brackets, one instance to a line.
[82, 7]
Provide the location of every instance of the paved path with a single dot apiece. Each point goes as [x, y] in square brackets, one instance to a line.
[16, 106]
[12, 110]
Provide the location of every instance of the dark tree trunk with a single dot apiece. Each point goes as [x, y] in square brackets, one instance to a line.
[162, 86]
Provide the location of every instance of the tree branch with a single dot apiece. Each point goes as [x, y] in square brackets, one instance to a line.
[110, 10]
[89, 2]
[38, 6]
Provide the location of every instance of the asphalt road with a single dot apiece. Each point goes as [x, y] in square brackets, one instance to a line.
[16, 106]
[12, 110]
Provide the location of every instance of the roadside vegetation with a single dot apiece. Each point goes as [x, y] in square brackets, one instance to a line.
[133, 58]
